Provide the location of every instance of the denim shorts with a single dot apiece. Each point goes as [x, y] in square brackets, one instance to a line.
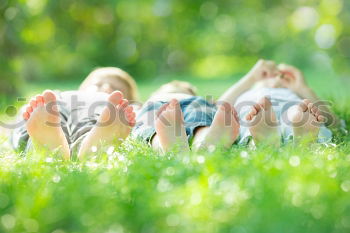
[197, 112]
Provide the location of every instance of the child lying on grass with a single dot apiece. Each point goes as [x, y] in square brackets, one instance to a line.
[174, 116]
[275, 102]
[76, 121]
[59, 120]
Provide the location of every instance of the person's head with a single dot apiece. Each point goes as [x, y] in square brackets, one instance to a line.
[177, 87]
[109, 79]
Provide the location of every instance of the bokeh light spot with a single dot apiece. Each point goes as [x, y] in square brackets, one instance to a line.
[8, 221]
[294, 161]
[325, 36]
[304, 18]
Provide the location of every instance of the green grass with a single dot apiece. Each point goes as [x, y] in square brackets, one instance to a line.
[134, 189]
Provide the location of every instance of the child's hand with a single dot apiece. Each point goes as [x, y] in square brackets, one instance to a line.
[292, 78]
[263, 69]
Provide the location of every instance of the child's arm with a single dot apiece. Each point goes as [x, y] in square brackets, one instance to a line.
[261, 70]
[294, 80]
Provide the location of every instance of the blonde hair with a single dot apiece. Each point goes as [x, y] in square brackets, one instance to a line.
[110, 76]
[177, 86]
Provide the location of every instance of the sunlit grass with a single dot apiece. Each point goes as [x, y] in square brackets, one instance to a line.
[133, 189]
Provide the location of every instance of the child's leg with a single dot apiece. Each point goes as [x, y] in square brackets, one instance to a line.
[44, 124]
[306, 121]
[170, 130]
[224, 129]
[113, 125]
[263, 123]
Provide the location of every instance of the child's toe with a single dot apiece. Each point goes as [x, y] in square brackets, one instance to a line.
[29, 109]
[222, 108]
[173, 103]
[33, 103]
[321, 118]
[257, 107]
[116, 97]
[264, 103]
[128, 115]
[303, 107]
[254, 110]
[26, 115]
[39, 100]
[129, 109]
[249, 117]
[133, 115]
[124, 103]
[314, 109]
[49, 96]
[161, 109]
[307, 102]
[226, 107]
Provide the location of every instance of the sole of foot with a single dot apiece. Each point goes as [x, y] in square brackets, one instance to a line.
[223, 131]
[306, 121]
[263, 123]
[43, 124]
[170, 128]
[112, 127]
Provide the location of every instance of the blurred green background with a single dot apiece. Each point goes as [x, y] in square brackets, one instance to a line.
[61, 41]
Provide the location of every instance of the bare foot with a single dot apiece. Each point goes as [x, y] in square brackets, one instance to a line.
[170, 128]
[263, 123]
[43, 124]
[113, 125]
[306, 120]
[224, 129]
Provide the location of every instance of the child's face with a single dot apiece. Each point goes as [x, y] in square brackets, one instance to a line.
[274, 82]
[108, 86]
[183, 88]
